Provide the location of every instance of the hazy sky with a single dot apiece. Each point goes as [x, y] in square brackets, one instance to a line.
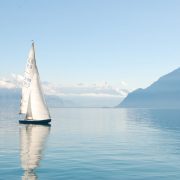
[90, 41]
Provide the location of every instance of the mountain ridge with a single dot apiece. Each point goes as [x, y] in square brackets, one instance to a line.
[163, 93]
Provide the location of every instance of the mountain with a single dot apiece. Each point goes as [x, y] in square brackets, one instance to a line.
[164, 93]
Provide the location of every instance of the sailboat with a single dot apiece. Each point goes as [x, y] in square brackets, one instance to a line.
[33, 103]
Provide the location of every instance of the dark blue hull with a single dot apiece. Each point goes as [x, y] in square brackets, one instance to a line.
[46, 121]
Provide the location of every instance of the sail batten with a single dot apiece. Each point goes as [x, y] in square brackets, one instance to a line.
[33, 103]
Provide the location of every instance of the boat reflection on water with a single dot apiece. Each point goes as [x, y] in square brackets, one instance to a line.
[32, 142]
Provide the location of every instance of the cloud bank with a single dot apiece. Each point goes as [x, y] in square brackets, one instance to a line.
[81, 89]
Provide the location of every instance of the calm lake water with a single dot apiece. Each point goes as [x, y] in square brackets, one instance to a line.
[92, 144]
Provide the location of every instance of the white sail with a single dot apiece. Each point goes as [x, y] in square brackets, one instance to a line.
[39, 108]
[29, 112]
[29, 71]
[33, 103]
[32, 141]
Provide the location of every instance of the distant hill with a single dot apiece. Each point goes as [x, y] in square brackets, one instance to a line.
[11, 98]
[164, 93]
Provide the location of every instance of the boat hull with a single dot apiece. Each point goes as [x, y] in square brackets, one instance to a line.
[45, 121]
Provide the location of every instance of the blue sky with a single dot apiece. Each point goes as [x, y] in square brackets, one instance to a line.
[91, 41]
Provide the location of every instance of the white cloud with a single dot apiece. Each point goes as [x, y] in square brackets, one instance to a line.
[14, 81]
[124, 83]
[103, 89]
[7, 84]
[82, 89]
[17, 78]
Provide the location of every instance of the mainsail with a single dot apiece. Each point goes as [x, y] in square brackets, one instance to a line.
[32, 102]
